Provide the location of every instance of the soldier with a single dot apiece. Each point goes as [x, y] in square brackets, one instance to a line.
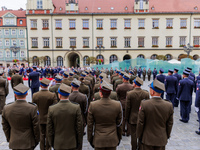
[135, 71]
[16, 79]
[34, 78]
[155, 117]
[197, 104]
[79, 98]
[55, 87]
[120, 80]
[91, 76]
[191, 74]
[154, 73]
[178, 76]
[185, 90]
[20, 121]
[111, 72]
[106, 115]
[161, 78]
[70, 78]
[171, 85]
[132, 76]
[65, 78]
[84, 89]
[121, 93]
[75, 74]
[4, 90]
[149, 74]
[115, 77]
[97, 72]
[139, 72]
[44, 98]
[64, 122]
[144, 72]
[96, 86]
[133, 101]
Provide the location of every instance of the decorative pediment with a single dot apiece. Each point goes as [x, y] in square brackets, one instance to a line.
[9, 15]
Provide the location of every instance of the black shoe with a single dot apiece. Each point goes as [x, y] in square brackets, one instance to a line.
[197, 132]
[197, 120]
[183, 121]
[84, 133]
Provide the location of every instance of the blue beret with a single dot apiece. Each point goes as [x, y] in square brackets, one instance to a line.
[161, 70]
[186, 73]
[176, 69]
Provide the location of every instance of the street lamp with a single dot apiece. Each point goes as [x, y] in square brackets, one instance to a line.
[188, 49]
[100, 47]
[15, 49]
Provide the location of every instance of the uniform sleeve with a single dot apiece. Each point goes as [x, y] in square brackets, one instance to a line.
[180, 88]
[128, 108]
[141, 122]
[55, 100]
[11, 82]
[166, 84]
[147, 96]
[7, 88]
[79, 127]
[50, 128]
[119, 122]
[170, 122]
[35, 122]
[90, 124]
[29, 81]
[6, 125]
[176, 85]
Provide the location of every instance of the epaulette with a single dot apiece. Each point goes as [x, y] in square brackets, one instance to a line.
[32, 103]
[74, 103]
[9, 103]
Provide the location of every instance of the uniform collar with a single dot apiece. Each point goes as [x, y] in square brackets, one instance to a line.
[44, 89]
[158, 97]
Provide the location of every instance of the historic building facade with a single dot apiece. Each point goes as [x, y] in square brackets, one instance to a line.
[67, 32]
[12, 34]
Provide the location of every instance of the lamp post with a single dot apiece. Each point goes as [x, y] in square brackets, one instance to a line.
[188, 49]
[15, 49]
[100, 47]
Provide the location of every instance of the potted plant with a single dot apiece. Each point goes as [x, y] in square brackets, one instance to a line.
[99, 28]
[196, 46]
[141, 28]
[58, 28]
[127, 28]
[169, 27]
[46, 28]
[168, 45]
[154, 45]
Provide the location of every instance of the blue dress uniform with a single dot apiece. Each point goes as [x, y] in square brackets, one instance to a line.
[161, 78]
[139, 72]
[178, 76]
[185, 89]
[197, 103]
[35, 84]
[154, 73]
[191, 74]
[171, 85]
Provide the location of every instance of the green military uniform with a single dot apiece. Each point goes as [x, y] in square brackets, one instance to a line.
[111, 72]
[113, 96]
[65, 79]
[4, 91]
[149, 74]
[84, 89]
[44, 99]
[16, 79]
[132, 77]
[144, 72]
[55, 87]
[20, 122]
[64, 123]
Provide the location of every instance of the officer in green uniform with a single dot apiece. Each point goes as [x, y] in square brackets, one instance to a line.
[65, 78]
[119, 81]
[55, 87]
[75, 74]
[132, 76]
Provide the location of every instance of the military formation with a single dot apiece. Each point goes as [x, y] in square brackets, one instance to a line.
[108, 104]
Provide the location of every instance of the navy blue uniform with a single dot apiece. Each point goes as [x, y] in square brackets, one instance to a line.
[178, 76]
[197, 100]
[161, 78]
[171, 85]
[139, 73]
[185, 90]
[154, 74]
[21, 71]
[35, 84]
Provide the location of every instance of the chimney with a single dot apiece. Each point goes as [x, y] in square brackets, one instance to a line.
[21, 9]
[3, 8]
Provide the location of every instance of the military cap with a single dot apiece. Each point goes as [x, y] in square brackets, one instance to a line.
[186, 73]
[21, 89]
[1, 72]
[117, 71]
[66, 74]
[64, 90]
[83, 74]
[102, 75]
[45, 82]
[189, 68]
[176, 69]
[75, 71]
[161, 70]
[131, 71]
[87, 71]
[138, 81]
[34, 67]
[157, 86]
[17, 69]
[121, 73]
[61, 72]
[75, 83]
[106, 86]
[126, 76]
[90, 71]
[170, 70]
[71, 73]
[58, 78]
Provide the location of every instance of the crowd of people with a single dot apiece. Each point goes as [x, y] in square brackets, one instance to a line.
[110, 103]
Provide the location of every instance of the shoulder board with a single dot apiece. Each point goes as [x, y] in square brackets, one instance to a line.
[167, 100]
[32, 103]
[74, 103]
[9, 103]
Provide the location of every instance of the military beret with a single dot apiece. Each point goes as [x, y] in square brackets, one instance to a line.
[61, 72]
[102, 75]
[161, 70]
[75, 71]
[21, 89]
[117, 71]
[34, 67]
[66, 74]
[189, 68]
[45, 82]
[138, 81]
[126, 76]
[58, 78]
[121, 73]
[131, 71]
[186, 73]
[17, 69]
[157, 86]
[83, 74]
[106, 86]
[64, 90]
[170, 70]
[176, 69]
[87, 71]
[75, 83]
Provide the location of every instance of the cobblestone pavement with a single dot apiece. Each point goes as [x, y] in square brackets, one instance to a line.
[183, 135]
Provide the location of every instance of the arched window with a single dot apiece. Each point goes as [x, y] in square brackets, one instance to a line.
[85, 61]
[59, 61]
[100, 57]
[140, 56]
[195, 57]
[113, 58]
[35, 61]
[153, 56]
[47, 61]
[168, 56]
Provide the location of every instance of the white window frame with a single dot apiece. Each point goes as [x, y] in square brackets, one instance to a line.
[72, 42]
[113, 23]
[8, 54]
[21, 22]
[196, 40]
[99, 23]
[127, 42]
[113, 42]
[86, 42]
[22, 53]
[197, 23]
[183, 23]
[127, 23]
[72, 23]
[85, 61]
[58, 23]
[33, 23]
[140, 41]
[7, 21]
[13, 31]
[141, 23]
[1, 54]
[11, 21]
[21, 32]
[34, 42]
[39, 4]
[21, 42]
[169, 23]
[99, 41]
[7, 42]
[45, 23]
[14, 42]
[155, 23]
[58, 42]
[169, 41]
[6, 31]
[141, 5]
[85, 23]
[154, 41]
[182, 40]
[46, 42]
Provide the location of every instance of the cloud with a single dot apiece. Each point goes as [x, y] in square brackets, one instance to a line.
[13, 4]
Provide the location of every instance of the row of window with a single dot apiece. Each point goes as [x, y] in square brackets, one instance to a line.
[12, 43]
[113, 23]
[13, 32]
[8, 54]
[11, 22]
[113, 42]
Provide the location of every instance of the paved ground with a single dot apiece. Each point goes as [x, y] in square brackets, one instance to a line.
[183, 136]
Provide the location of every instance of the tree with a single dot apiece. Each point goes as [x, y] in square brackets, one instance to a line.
[91, 60]
[184, 56]
[161, 57]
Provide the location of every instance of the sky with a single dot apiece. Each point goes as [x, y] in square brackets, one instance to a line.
[13, 4]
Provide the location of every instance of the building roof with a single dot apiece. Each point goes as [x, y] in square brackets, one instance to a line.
[18, 13]
[59, 6]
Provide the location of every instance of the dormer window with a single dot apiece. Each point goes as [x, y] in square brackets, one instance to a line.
[39, 4]
[60, 8]
[99, 8]
[126, 8]
[72, 1]
[196, 8]
[152, 8]
[20, 22]
[112, 8]
[141, 4]
[86, 8]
